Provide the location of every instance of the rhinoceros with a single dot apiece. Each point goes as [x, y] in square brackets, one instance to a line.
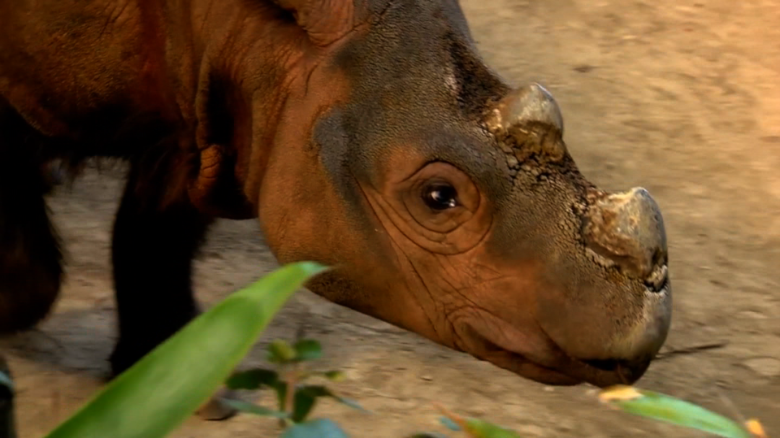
[367, 135]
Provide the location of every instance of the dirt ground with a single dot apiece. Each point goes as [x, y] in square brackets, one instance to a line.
[680, 97]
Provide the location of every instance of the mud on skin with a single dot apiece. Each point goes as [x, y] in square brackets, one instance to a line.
[453, 207]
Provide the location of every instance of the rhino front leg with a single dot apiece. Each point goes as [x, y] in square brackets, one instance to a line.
[152, 251]
[156, 236]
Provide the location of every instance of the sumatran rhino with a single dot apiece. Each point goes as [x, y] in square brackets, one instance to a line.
[367, 135]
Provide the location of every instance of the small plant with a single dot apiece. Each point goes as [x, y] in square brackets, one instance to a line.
[472, 427]
[672, 410]
[295, 399]
[166, 386]
[649, 404]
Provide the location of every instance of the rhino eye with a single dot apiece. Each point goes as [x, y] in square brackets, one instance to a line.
[440, 196]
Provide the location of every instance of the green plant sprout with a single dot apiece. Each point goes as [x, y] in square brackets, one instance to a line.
[164, 388]
[672, 410]
[295, 400]
[648, 404]
[473, 427]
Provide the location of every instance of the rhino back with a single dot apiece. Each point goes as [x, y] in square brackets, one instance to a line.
[66, 64]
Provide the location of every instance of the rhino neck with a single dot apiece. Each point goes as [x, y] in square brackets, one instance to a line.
[256, 92]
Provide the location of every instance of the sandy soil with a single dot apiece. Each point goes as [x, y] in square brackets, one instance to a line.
[680, 97]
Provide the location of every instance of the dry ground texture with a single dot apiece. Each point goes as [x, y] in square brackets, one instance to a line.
[681, 97]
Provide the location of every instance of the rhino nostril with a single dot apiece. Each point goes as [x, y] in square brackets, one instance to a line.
[628, 371]
[658, 278]
[603, 364]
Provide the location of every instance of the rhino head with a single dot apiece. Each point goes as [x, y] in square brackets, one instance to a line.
[446, 200]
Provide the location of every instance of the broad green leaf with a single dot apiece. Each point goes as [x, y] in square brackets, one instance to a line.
[253, 379]
[303, 403]
[671, 410]
[319, 428]
[483, 429]
[279, 351]
[251, 408]
[307, 349]
[164, 388]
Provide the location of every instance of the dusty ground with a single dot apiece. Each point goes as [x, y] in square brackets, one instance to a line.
[681, 97]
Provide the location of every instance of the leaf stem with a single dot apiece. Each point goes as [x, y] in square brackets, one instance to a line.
[292, 380]
[457, 419]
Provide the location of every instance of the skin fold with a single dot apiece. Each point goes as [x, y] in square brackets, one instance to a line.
[364, 134]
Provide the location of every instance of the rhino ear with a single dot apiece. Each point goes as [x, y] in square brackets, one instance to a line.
[325, 21]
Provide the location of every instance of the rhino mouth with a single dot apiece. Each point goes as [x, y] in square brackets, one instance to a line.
[551, 365]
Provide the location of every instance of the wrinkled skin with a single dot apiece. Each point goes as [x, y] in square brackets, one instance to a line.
[364, 134]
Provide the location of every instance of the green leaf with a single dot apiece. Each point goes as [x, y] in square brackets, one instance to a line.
[307, 349]
[334, 376]
[303, 403]
[428, 435]
[279, 351]
[251, 408]
[306, 398]
[449, 424]
[483, 429]
[351, 403]
[323, 391]
[475, 427]
[164, 388]
[319, 428]
[281, 394]
[671, 410]
[253, 379]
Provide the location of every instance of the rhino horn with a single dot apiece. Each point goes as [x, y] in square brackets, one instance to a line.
[529, 122]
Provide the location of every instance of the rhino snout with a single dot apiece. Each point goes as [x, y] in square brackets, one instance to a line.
[627, 229]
